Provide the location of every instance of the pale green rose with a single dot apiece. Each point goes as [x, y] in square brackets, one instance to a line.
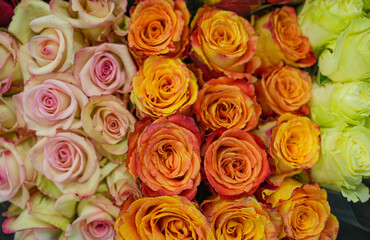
[323, 20]
[344, 161]
[8, 117]
[336, 104]
[348, 57]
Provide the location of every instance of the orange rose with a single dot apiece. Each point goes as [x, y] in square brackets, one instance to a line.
[163, 86]
[158, 27]
[165, 155]
[235, 162]
[242, 219]
[284, 89]
[295, 145]
[281, 40]
[306, 214]
[223, 43]
[162, 218]
[229, 103]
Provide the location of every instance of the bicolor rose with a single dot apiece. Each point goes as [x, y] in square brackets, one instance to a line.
[69, 160]
[241, 7]
[235, 162]
[163, 86]
[8, 117]
[95, 221]
[165, 155]
[244, 218]
[295, 145]
[283, 1]
[122, 184]
[345, 159]
[229, 103]
[96, 19]
[162, 217]
[9, 70]
[16, 172]
[306, 214]
[349, 49]
[284, 89]
[281, 40]
[104, 69]
[50, 102]
[223, 43]
[108, 123]
[336, 104]
[322, 21]
[158, 27]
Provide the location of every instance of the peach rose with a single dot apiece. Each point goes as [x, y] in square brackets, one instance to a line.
[229, 103]
[165, 155]
[295, 145]
[163, 86]
[50, 102]
[235, 162]
[162, 217]
[108, 123]
[284, 89]
[158, 27]
[223, 43]
[104, 69]
[306, 214]
[281, 40]
[244, 218]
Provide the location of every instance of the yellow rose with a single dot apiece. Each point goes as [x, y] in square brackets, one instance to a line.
[163, 86]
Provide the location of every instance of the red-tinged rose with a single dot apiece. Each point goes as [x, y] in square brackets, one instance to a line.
[281, 40]
[235, 162]
[223, 43]
[283, 1]
[165, 155]
[241, 7]
[7, 12]
[229, 103]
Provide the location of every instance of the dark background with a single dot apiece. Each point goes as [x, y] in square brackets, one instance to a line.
[354, 218]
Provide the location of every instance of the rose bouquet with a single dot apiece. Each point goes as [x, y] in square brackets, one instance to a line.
[144, 120]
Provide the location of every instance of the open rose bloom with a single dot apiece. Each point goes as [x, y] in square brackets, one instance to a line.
[176, 119]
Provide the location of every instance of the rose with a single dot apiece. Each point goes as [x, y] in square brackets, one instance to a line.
[244, 218]
[96, 19]
[163, 86]
[8, 118]
[321, 21]
[165, 155]
[104, 69]
[283, 1]
[50, 102]
[281, 40]
[42, 219]
[306, 214]
[345, 160]
[350, 49]
[223, 43]
[7, 9]
[69, 160]
[9, 70]
[235, 162]
[334, 104]
[158, 27]
[162, 217]
[122, 184]
[96, 217]
[294, 145]
[229, 103]
[284, 89]
[16, 172]
[241, 7]
[108, 123]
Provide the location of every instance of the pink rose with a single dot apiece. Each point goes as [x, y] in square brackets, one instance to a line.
[104, 69]
[96, 218]
[50, 102]
[69, 160]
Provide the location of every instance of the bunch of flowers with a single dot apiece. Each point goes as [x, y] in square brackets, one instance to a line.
[164, 125]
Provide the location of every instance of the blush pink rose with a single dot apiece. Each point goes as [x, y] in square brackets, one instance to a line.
[104, 69]
[50, 102]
